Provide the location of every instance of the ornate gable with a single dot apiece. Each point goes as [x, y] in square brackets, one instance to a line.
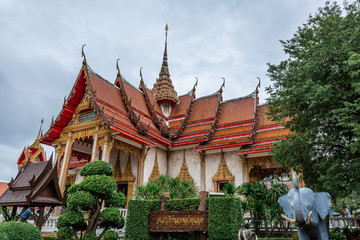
[223, 173]
[156, 171]
[184, 171]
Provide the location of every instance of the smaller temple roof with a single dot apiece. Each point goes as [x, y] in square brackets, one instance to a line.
[35, 185]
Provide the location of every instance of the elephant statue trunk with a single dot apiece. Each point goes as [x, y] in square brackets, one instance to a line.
[307, 210]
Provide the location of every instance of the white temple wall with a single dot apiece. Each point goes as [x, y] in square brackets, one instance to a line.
[193, 162]
[162, 160]
[211, 166]
[234, 163]
[150, 160]
[175, 162]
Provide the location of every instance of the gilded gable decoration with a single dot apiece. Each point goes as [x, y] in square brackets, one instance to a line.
[223, 173]
[127, 148]
[184, 171]
[259, 161]
[156, 171]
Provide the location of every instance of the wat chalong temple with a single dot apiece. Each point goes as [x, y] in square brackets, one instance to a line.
[145, 132]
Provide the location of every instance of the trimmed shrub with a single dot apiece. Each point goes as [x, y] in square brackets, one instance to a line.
[49, 238]
[137, 222]
[110, 218]
[110, 235]
[225, 217]
[19, 231]
[97, 168]
[116, 200]
[81, 199]
[65, 233]
[71, 217]
[90, 236]
[99, 185]
[182, 204]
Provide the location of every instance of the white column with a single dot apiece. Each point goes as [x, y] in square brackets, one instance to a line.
[65, 164]
[105, 150]
[93, 152]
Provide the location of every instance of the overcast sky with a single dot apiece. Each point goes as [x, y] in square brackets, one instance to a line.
[40, 51]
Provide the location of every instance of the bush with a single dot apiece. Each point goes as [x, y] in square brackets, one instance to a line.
[99, 185]
[50, 238]
[137, 222]
[182, 204]
[97, 168]
[19, 231]
[65, 233]
[81, 199]
[73, 218]
[110, 235]
[225, 217]
[110, 218]
[116, 200]
[90, 236]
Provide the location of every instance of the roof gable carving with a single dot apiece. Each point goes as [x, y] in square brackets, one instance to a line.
[184, 171]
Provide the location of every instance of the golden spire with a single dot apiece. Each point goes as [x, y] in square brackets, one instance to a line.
[163, 88]
[36, 143]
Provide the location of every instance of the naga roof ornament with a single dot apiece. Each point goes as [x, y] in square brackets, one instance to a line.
[163, 88]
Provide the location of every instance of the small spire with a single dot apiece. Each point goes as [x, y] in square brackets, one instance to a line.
[117, 67]
[165, 60]
[258, 86]
[83, 54]
[141, 77]
[223, 85]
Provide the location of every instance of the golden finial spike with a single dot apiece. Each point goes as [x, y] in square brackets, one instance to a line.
[258, 86]
[117, 66]
[82, 50]
[83, 54]
[166, 27]
[195, 85]
[141, 75]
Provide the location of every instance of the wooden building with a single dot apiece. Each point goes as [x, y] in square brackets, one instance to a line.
[146, 132]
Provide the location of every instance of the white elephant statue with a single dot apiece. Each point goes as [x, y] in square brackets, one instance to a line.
[309, 211]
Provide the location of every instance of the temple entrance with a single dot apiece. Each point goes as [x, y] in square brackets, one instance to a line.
[263, 167]
[122, 187]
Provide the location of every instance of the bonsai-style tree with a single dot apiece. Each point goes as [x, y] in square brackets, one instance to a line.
[96, 191]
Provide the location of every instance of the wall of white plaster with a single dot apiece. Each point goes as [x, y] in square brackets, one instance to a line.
[234, 163]
[175, 162]
[150, 160]
[193, 162]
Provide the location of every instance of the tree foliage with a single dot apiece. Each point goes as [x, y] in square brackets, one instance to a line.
[317, 90]
[90, 195]
[164, 183]
[262, 203]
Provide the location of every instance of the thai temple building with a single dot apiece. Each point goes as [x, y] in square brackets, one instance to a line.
[145, 132]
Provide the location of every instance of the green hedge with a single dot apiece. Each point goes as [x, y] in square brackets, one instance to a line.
[137, 222]
[225, 217]
[182, 204]
[19, 231]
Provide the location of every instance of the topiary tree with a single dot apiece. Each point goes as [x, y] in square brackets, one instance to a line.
[95, 191]
[19, 231]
